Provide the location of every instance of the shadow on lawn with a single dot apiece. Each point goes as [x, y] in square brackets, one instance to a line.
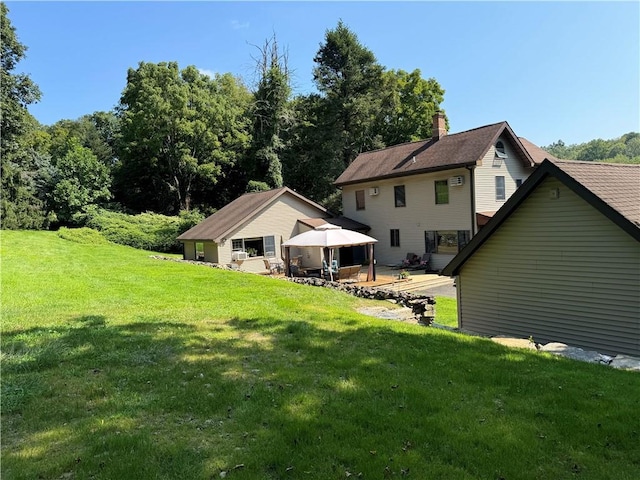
[262, 398]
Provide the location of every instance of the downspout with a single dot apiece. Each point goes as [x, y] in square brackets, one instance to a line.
[472, 186]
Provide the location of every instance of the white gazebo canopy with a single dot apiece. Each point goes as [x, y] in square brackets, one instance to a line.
[331, 236]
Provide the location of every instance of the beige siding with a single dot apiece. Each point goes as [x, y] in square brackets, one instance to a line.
[279, 219]
[420, 214]
[512, 168]
[557, 270]
[189, 250]
[211, 252]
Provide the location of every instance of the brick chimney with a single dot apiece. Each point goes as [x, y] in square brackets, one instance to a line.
[439, 128]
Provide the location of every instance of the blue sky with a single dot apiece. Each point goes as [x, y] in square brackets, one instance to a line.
[553, 70]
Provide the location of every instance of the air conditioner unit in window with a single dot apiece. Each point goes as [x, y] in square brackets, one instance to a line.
[238, 255]
[373, 191]
[456, 181]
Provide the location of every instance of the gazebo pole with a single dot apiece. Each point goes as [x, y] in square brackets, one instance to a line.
[371, 271]
[287, 270]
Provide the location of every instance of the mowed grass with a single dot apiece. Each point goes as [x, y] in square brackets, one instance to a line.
[116, 366]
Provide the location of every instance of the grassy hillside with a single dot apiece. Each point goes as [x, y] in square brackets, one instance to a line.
[115, 365]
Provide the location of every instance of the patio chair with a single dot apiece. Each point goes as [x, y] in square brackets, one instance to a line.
[407, 262]
[423, 263]
[334, 269]
[294, 271]
[273, 265]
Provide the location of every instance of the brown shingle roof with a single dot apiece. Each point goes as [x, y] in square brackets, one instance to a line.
[451, 151]
[618, 185]
[232, 215]
[535, 151]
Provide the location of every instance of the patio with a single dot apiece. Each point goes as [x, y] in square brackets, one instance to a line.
[387, 277]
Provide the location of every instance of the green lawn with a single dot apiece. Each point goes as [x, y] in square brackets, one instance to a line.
[117, 366]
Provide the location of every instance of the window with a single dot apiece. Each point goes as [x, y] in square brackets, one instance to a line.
[500, 154]
[500, 194]
[255, 247]
[398, 192]
[442, 192]
[237, 244]
[270, 246]
[448, 242]
[359, 199]
[395, 237]
[518, 182]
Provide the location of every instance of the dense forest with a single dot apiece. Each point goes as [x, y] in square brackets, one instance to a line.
[181, 144]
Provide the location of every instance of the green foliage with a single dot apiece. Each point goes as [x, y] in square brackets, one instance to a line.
[17, 91]
[146, 231]
[178, 130]
[625, 149]
[350, 81]
[408, 106]
[80, 181]
[84, 235]
[311, 163]
[96, 132]
[20, 204]
[255, 186]
[271, 115]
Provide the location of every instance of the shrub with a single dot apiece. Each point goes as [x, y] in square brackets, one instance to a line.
[146, 231]
[83, 235]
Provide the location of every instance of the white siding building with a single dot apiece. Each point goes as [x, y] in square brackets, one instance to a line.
[426, 196]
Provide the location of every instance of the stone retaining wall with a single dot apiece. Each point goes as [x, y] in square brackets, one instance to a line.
[422, 306]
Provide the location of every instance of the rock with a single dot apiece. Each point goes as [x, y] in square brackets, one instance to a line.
[576, 353]
[626, 362]
[514, 342]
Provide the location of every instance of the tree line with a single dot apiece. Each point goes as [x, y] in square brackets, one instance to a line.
[179, 140]
[625, 149]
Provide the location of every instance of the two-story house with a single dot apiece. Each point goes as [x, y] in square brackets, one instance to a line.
[433, 195]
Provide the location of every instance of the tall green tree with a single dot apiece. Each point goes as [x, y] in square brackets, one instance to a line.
[20, 206]
[79, 181]
[350, 81]
[310, 163]
[408, 105]
[96, 131]
[178, 130]
[271, 115]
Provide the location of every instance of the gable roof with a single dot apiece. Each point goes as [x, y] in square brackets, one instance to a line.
[451, 151]
[611, 188]
[231, 216]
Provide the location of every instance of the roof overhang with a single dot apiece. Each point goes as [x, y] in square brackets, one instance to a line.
[420, 171]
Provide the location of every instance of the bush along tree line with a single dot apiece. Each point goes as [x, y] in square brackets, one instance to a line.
[181, 141]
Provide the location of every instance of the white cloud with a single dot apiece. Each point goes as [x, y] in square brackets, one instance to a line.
[208, 73]
[236, 25]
